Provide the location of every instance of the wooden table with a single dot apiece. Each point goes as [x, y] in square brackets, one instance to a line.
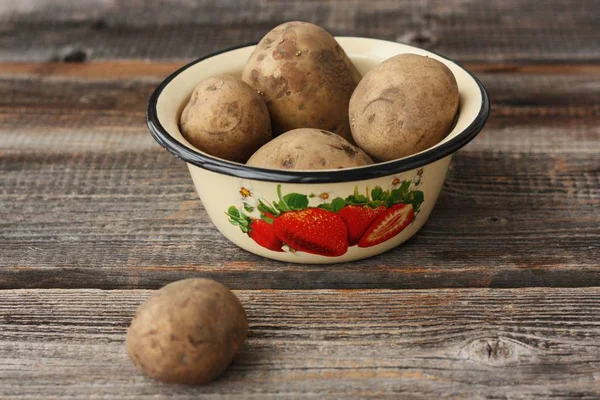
[497, 297]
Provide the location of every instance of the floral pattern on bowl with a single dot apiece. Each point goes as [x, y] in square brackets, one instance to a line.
[325, 224]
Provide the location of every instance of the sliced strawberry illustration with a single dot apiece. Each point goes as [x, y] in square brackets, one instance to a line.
[358, 219]
[314, 230]
[263, 233]
[387, 225]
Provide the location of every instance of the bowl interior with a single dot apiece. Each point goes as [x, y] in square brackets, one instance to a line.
[365, 53]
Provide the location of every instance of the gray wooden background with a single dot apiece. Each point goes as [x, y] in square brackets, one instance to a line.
[497, 296]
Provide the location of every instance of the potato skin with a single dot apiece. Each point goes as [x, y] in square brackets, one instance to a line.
[403, 106]
[309, 149]
[226, 118]
[305, 77]
[187, 332]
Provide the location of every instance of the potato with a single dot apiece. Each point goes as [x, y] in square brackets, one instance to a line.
[305, 77]
[187, 332]
[403, 106]
[226, 118]
[309, 149]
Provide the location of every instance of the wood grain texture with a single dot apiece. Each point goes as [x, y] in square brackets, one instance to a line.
[89, 108]
[498, 344]
[133, 220]
[89, 200]
[141, 69]
[468, 30]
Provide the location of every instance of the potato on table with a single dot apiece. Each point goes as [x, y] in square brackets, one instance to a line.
[305, 77]
[226, 118]
[309, 149]
[403, 106]
[187, 332]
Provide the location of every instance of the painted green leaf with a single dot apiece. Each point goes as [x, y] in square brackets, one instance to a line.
[418, 198]
[268, 220]
[405, 185]
[244, 222]
[233, 212]
[296, 201]
[248, 208]
[237, 218]
[263, 208]
[325, 206]
[266, 208]
[375, 204]
[396, 196]
[282, 204]
[377, 193]
[337, 204]
[356, 199]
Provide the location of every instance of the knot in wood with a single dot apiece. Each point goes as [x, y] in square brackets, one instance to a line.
[497, 351]
[73, 55]
[422, 38]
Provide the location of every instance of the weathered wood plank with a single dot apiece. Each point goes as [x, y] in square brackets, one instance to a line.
[512, 30]
[133, 220]
[82, 108]
[534, 343]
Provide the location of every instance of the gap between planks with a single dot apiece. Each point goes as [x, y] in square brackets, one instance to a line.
[123, 69]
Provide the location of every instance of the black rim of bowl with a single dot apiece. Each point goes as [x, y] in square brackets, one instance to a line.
[222, 166]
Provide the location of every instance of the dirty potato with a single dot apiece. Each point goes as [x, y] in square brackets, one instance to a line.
[305, 77]
[309, 149]
[187, 332]
[226, 118]
[403, 106]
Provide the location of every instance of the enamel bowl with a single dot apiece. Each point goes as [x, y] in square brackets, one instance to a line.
[326, 216]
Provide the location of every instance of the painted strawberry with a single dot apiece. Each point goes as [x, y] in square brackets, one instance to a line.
[264, 235]
[331, 227]
[260, 230]
[388, 224]
[314, 230]
[358, 219]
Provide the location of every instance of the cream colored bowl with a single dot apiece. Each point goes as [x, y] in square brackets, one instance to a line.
[312, 226]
